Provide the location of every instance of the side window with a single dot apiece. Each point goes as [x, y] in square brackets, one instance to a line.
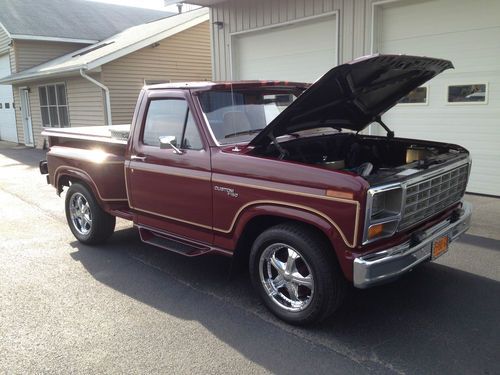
[192, 138]
[166, 117]
[171, 117]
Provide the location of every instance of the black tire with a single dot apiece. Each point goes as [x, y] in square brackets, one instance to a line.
[321, 264]
[101, 224]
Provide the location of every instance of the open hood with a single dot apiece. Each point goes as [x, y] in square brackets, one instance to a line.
[353, 95]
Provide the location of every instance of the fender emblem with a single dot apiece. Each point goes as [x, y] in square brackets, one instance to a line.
[230, 192]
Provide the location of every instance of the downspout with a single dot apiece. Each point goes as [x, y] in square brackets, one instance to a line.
[106, 94]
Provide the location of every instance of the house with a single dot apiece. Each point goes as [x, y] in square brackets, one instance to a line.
[35, 31]
[98, 83]
[302, 39]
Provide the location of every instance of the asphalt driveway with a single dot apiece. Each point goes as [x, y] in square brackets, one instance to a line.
[129, 307]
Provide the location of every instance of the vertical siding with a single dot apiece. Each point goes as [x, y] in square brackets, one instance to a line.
[354, 24]
[181, 57]
[85, 105]
[29, 53]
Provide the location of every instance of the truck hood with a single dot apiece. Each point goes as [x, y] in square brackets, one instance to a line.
[353, 95]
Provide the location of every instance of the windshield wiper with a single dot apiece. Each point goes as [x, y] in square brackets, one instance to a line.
[243, 133]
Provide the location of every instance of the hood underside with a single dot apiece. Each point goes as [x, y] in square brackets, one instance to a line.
[353, 95]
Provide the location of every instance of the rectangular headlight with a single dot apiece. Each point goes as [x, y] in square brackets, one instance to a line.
[383, 212]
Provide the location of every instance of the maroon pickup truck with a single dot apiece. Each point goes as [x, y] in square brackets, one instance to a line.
[277, 173]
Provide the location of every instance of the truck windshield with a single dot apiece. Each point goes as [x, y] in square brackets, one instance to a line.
[239, 115]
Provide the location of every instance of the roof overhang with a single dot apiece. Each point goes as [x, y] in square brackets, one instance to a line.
[52, 39]
[205, 3]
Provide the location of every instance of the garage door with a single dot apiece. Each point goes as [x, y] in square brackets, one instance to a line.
[298, 52]
[462, 105]
[7, 116]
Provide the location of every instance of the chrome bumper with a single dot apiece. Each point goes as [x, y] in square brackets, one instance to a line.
[382, 266]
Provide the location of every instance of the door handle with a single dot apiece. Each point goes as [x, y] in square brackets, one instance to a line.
[137, 158]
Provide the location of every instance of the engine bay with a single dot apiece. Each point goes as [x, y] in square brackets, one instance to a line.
[371, 157]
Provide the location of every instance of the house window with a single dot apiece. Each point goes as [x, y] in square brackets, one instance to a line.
[417, 96]
[53, 105]
[477, 93]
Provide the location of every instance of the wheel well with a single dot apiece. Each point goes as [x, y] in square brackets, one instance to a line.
[68, 180]
[259, 224]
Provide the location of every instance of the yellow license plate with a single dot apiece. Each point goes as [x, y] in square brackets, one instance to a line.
[439, 247]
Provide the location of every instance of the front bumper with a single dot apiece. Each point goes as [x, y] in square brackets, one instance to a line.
[385, 265]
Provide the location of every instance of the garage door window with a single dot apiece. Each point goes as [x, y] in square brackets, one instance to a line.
[54, 106]
[475, 93]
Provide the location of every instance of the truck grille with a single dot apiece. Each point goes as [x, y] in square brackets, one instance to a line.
[428, 197]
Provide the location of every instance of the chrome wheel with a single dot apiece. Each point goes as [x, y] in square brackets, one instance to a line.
[80, 214]
[286, 277]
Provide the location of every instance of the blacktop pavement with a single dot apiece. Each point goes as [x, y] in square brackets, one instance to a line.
[129, 307]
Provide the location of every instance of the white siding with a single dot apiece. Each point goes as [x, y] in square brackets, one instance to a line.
[4, 41]
[30, 53]
[181, 57]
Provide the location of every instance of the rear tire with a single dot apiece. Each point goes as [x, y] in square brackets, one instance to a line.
[88, 222]
[296, 274]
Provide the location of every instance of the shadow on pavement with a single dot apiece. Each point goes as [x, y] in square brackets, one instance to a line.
[22, 154]
[435, 320]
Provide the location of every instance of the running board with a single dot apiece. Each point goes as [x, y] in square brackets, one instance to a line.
[172, 244]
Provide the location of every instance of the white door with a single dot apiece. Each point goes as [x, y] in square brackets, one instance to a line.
[26, 117]
[8, 131]
[301, 51]
[467, 33]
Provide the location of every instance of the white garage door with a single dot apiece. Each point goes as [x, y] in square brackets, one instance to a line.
[301, 52]
[467, 33]
[7, 116]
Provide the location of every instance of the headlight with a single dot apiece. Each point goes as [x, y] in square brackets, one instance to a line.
[383, 212]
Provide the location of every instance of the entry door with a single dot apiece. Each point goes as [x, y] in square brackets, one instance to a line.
[26, 117]
[171, 190]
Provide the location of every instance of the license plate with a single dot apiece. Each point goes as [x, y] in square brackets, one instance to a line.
[439, 247]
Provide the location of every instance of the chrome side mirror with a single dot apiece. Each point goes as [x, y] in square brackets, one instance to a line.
[167, 142]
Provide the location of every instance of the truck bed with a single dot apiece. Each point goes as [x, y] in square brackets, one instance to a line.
[94, 155]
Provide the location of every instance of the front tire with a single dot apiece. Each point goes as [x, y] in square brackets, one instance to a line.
[88, 222]
[296, 274]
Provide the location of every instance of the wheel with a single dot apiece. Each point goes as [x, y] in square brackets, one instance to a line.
[296, 274]
[89, 223]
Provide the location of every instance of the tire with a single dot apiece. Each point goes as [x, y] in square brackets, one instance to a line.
[88, 222]
[296, 274]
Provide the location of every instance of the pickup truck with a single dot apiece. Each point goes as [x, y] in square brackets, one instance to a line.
[278, 174]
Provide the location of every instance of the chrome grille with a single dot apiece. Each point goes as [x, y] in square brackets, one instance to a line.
[430, 196]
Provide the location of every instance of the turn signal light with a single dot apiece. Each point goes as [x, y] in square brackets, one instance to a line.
[375, 230]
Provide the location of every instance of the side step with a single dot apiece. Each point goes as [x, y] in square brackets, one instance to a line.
[172, 244]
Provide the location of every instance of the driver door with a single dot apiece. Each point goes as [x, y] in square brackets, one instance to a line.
[171, 190]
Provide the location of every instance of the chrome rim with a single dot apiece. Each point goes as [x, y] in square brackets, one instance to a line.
[79, 212]
[286, 277]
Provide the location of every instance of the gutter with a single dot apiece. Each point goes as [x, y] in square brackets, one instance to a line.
[106, 91]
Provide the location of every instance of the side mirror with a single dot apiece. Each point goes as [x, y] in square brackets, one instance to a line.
[167, 142]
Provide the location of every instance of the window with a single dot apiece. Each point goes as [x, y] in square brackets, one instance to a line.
[417, 96]
[53, 105]
[238, 115]
[171, 117]
[476, 93]
[7, 105]
[0, 105]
